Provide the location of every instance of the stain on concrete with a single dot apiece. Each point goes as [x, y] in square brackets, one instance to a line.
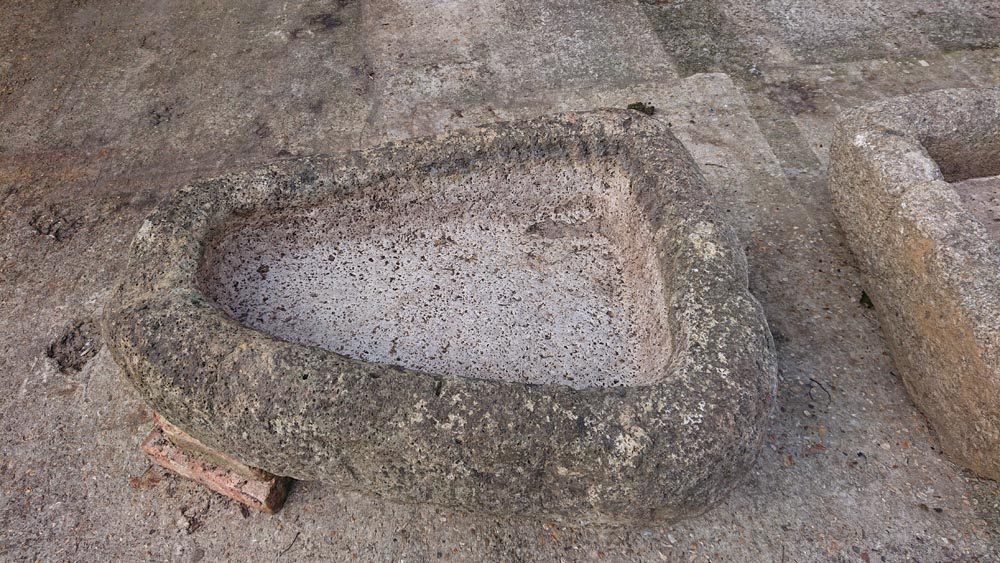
[325, 21]
[75, 347]
[700, 38]
[55, 223]
[794, 96]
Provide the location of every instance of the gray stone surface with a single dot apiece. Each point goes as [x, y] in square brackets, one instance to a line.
[749, 38]
[931, 266]
[853, 475]
[453, 63]
[593, 444]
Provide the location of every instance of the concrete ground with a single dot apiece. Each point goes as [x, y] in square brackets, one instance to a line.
[106, 106]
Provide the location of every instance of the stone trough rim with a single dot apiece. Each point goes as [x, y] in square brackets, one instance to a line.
[615, 454]
[923, 195]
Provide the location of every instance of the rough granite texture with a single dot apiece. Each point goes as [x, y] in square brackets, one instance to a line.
[931, 266]
[540, 274]
[663, 451]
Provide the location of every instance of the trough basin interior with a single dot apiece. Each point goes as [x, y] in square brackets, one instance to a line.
[541, 273]
[970, 161]
[981, 196]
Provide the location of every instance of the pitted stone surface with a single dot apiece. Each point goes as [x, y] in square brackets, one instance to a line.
[914, 181]
[665, 440]
[540, 275]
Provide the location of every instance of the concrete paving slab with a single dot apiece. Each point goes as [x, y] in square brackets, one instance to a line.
[436, 59]
[743, 36]
[258, 81]
[817, 32]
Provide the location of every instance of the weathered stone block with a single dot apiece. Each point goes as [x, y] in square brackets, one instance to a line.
[914, 182]
[543, 317]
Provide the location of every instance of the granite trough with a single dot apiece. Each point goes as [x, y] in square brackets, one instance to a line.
[916, 183]
[543, 318]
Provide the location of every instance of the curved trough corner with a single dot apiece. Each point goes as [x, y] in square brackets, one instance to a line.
[469, 425]
[916, 181]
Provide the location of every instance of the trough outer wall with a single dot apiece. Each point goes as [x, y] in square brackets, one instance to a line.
[658, 452]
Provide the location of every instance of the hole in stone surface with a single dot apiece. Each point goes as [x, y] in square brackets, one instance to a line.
[543, 274]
